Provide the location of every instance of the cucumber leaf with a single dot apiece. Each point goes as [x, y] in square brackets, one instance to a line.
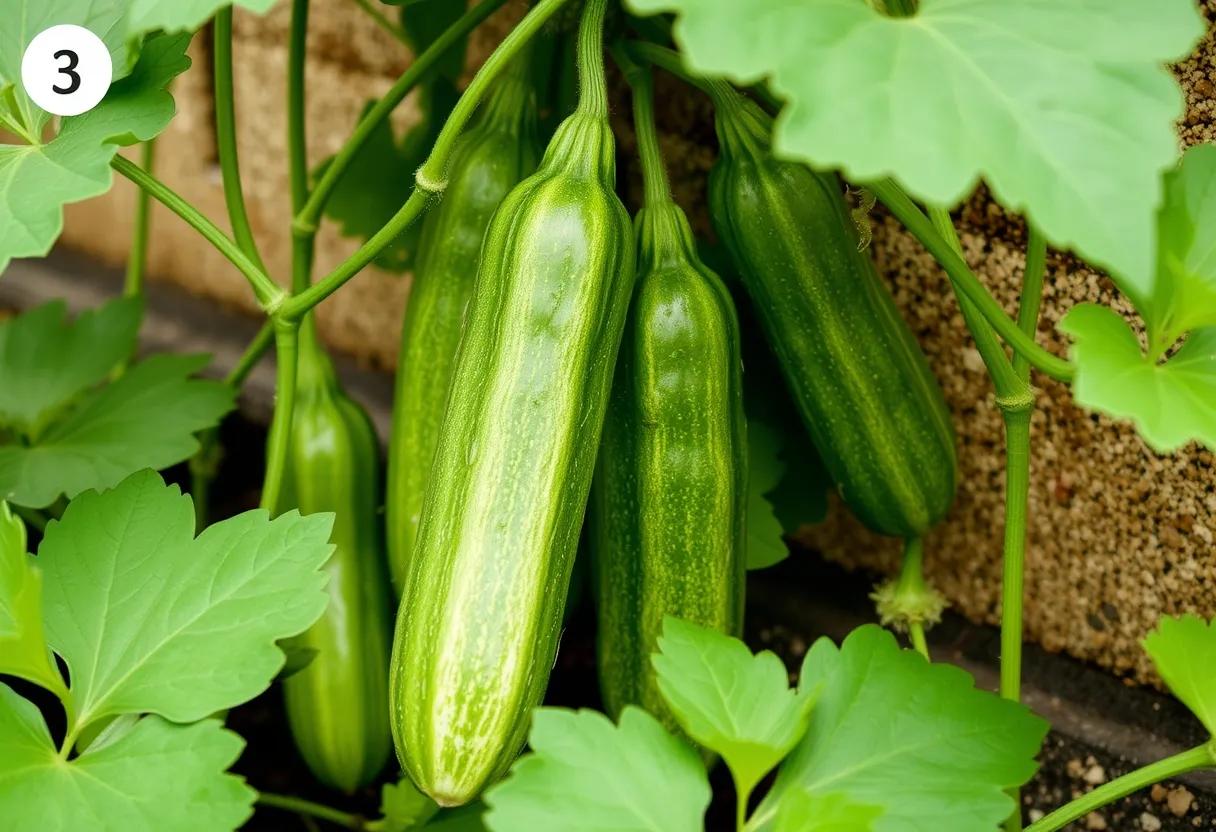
[155, 776]
[38, 178]
[150, 618]
[402, 807]
[1184, 652]
[1171, 402]
[23, 650]
[183, 15]
[765, 546]
[585, 773]
[1065, 109]
[730, 701]
[804, 812]
[916, 740]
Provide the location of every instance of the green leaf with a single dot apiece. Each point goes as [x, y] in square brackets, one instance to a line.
[1171, 402]
[37, 180]
[765, 546]
[46, 360]
[23, 650]
[468, 818]
[801, 811]
[402, 807]
[1066, 109]
[916, 740]
[150, 618]
[183, 15]
[1184, 652]
[585, 773]
[1185, 294]
[145, 419]
[154, 777]
[730, 701]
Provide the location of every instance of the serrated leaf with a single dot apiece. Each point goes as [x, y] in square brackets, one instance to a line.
[804, 812]
[23, 650]
[1184, 653]
[155, 777]
[37, 180]
[1170, 402]
[47, 360]
[917, 740]
[730, 701]
[183, 15]
[765, 546]
[402, 807]
[145, 419]
[150, 618]
[585, 773]
[1064, 107]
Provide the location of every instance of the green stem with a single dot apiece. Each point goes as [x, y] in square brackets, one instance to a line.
[966, 283]
[1196, 758]
[593, 86]
[268, 293]
[381, 20]
[1017, 491]
[250, 357]
[225, 137]
[137, 264]
[309, 216]
[743, 794]
[286, 340]
[1032, 293]
[430, 177]
[654, 172]
[306, 807]
[297, 136]
[912, 582]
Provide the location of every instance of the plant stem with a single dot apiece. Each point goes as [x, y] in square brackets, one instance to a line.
[268, 293]
[743, 794]
[137, 264]
[1017, 491]
[381, 20]
[1196, 758]
[912, 581]
[297, 137]
[286, 339]
[309, 216]
[225, 137]
[430, 178]
[300, 806]
[250, 357]
[1032, 293]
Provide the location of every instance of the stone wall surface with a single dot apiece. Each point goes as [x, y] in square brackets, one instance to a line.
[1118, 535]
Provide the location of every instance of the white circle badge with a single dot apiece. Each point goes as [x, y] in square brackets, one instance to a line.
[66, 70]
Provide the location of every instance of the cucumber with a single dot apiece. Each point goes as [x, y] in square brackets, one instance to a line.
[669, 501]
[492, 157]
[863, 387]
[478, 626]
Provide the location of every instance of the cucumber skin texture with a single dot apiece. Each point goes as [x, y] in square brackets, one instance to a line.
[669, 502]
[337, 706]
[863, 387]
[492, 157]
[478, 627]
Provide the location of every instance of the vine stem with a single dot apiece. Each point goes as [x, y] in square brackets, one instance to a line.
[430, 180]
[287, 341]
[1203, 756]
[381, 20]
[308, 808]
[912, 579]
[137, 264]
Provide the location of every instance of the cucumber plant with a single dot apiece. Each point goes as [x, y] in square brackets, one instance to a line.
[542, 388]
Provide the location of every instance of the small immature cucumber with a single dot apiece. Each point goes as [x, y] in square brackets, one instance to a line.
[492, 157]
[669, 500]
[863, 387]
[478, 626]
[337, 706]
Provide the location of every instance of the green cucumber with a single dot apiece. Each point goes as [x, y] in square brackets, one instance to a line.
[478, 626]
[865, 391]
[669, 501]
[337, 706]
[491, 159]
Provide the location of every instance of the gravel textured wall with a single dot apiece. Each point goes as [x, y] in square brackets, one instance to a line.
[1118, 535]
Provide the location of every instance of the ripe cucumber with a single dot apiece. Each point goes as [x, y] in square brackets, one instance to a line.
[478, 626]
[865, 391]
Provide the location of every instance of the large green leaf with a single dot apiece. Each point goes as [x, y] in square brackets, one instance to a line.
[1184, 651]
[23, 650]
[730, 701]
[39, 178]
[150, 618]
[145, 419]
[155, 777]
[804, 812]
[916, 740]
[585, 773]
[1064, 107]
[182, 15]
[402, 807]
[1171, 402]
[765, 545]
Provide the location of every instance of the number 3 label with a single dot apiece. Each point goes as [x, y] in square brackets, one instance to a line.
[66, 70]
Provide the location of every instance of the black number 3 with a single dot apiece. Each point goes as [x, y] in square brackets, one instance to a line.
[69, 70]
